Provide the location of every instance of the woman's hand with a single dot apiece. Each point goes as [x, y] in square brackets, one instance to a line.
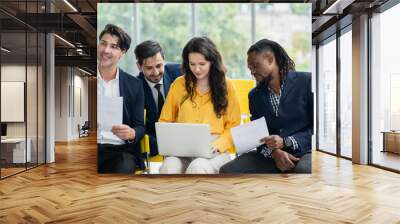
[214, 138]
[215, 150]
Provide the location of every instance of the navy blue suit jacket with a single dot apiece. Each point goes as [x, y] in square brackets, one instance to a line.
[171, 72]
[295, 110]
[131, 90]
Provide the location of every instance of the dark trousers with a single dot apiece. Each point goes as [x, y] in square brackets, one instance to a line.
[115, 159]
[254, 162]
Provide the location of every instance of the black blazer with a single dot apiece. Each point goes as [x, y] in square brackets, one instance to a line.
[131, 90]
[171, 72]
[295, 110]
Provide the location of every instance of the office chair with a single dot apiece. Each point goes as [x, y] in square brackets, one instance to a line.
[243, 87]
[145, 148]
[83, 130]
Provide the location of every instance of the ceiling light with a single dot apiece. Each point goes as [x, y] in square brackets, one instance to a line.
[5, 50]
[70, 5]
[337, 7]
[65, 41]
[84, 71]
[79, 51]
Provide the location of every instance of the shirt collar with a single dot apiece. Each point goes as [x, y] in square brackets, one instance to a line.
[101, 78]
[151, 84]
[282, 84]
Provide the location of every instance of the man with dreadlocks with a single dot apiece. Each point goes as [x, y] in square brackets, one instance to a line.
[284, 97]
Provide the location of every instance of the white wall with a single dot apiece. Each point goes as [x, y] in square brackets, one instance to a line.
[80, 110]
[61, 103]
[71, 102]
[16, 73]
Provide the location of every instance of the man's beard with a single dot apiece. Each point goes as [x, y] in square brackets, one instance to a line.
[159, 75]
[263, 83]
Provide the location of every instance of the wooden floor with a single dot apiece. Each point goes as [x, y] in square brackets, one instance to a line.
[70, 191]
[387, 159]
[10, 171]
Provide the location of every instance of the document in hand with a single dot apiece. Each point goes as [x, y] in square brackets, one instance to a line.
[109, 112]
[247, 136]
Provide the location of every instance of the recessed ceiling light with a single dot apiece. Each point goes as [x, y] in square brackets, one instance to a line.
[86, 72]
[64, 40]
[337, 7]
[5, 50]
[70, 5]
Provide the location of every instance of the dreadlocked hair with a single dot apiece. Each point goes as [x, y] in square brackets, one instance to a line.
[285, 63]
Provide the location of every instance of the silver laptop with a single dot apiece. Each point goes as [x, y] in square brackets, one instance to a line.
[184, 140]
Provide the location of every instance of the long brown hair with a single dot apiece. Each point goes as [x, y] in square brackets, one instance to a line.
[216, 80]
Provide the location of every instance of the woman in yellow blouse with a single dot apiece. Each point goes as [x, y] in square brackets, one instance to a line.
[203, 95]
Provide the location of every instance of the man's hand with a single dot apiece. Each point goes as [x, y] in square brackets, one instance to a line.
[273, 142]
[123, 132]
[283, 160]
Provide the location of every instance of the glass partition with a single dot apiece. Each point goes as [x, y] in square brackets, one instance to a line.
[327, 96]
[346, 94]
[385, 89]
[14, 145]
[22, 91]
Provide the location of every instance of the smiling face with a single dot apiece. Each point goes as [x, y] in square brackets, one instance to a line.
[108, 51]
[199, 66]
[153, 68]
[261, 65]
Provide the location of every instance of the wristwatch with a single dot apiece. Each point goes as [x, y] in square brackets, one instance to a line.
[288, 143]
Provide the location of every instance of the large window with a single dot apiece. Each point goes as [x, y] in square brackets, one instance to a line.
[270, 18]
[327, 96]
[385, 88]
[233, 28]
[329, 111]
[230, 32]
[168, 24]
[121, 15]
[346, 94]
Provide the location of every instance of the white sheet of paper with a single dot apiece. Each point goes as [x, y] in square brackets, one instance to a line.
[109, 112]
[247, 136]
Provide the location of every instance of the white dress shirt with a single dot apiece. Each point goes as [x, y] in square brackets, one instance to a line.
[110, 89]
[154, 90]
